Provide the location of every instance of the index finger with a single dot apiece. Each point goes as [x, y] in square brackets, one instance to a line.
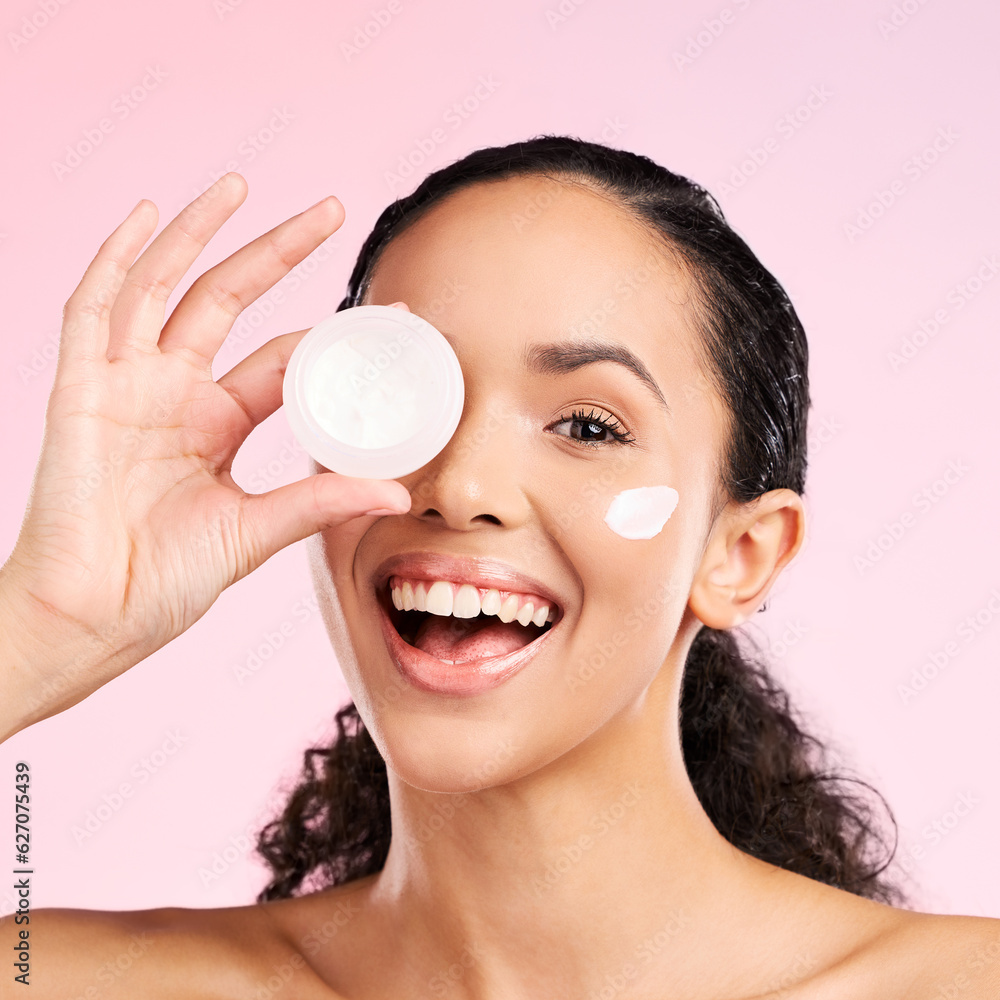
[87, 312]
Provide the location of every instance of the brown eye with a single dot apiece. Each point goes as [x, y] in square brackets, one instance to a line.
[592, 425]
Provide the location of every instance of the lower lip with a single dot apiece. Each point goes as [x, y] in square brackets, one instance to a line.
[468, 678]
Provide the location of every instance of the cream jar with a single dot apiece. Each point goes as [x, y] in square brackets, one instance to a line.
[373, 392]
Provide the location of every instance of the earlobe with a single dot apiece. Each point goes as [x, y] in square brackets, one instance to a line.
[749, 547]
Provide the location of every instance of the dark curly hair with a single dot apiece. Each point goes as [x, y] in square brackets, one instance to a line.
[766, 784]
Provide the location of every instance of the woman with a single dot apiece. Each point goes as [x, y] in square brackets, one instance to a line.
[634, 811]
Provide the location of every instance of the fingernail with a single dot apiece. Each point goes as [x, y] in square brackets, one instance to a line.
[383, 510]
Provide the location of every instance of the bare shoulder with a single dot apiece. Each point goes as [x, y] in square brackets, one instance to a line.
[960, 954]
[926, 955]
[113, 955]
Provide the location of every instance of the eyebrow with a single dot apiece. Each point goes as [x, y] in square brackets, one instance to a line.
[567, 355]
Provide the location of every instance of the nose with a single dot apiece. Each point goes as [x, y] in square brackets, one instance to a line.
[479, 476]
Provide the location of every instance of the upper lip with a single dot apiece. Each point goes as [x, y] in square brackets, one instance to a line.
[479, 571]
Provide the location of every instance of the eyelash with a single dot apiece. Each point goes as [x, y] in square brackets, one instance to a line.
[613, 426]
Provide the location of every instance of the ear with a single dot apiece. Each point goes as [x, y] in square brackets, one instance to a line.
[749, 546]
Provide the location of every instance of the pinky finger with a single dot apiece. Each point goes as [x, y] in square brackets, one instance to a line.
[86, 315]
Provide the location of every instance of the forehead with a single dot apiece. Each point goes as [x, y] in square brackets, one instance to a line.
[534, 259]
[535, 245]
[499, 267]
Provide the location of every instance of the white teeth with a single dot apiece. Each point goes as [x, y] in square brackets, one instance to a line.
[439, 598]
[463, 601]
[467, 604]
[491, 602]
[508, 610]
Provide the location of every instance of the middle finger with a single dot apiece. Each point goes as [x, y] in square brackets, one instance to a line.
[202, 319]
[137, 316]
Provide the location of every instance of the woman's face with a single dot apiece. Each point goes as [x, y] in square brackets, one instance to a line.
[500, 268]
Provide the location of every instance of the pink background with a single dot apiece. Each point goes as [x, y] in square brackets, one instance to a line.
[842, 640]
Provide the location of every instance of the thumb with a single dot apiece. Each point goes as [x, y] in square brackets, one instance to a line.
[295, 511]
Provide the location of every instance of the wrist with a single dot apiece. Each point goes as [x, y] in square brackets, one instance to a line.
[43, 658]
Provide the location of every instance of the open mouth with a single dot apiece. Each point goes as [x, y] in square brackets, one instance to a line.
[458, 640]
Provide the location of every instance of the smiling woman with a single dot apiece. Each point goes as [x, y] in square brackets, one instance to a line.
[565, 770]
[461, 788]
[706, 322]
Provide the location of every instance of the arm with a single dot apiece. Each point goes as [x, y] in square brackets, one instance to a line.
[148, 954]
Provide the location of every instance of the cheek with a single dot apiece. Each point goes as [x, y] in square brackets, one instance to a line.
[636, 575]
[641, 512]
[634, 593]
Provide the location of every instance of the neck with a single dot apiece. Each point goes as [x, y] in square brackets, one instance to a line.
[600, 864]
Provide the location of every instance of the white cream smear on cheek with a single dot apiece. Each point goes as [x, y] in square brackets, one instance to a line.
[642, 512]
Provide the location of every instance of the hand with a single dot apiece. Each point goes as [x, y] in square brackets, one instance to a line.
[135, 525]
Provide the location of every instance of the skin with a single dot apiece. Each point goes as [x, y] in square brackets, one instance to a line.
[535, 760]
[540, 757]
